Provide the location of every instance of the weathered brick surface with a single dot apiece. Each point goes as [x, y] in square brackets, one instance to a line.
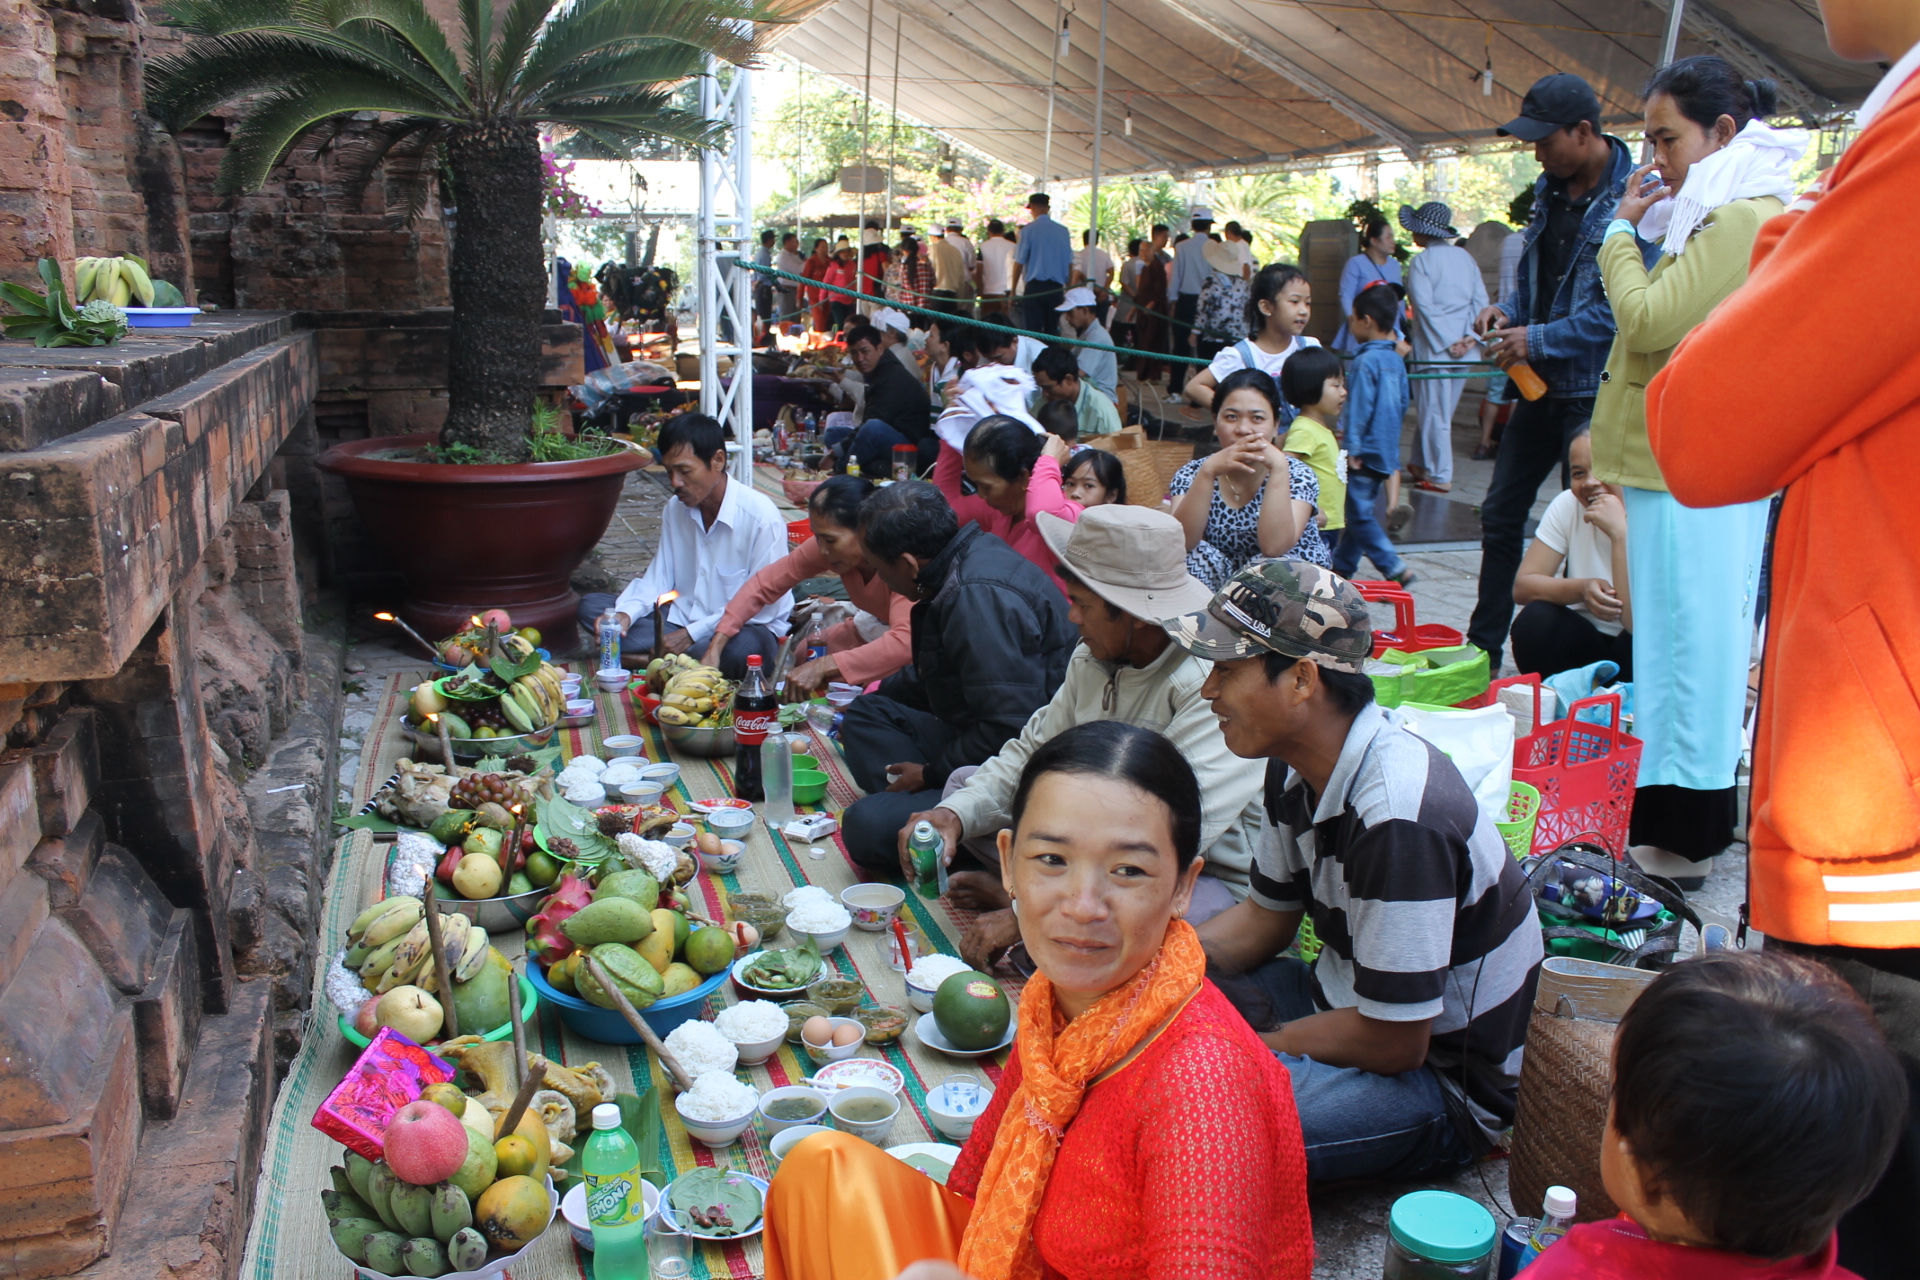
[166, 1021]
[66, 862]
[23, 909]
[66, 767]
[123, 920]
[19, 817]
[56, 1020]
[98, 530]
[42, 405]
[62, 1185]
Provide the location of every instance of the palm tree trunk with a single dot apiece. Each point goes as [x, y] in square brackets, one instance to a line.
[498, 290]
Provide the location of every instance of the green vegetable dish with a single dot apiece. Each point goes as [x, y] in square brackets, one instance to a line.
[784, 970]
[715, 1202]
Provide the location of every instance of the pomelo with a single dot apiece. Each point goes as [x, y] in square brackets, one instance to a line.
[971, 1011]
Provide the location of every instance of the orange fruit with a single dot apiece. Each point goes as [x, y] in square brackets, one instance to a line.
[516, 1156]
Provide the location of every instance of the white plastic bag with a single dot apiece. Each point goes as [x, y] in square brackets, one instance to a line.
[1480, 744]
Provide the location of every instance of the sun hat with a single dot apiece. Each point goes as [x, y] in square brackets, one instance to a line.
[1290, 607]
[1222, 257]
[1431, 219]
[888, 318]
[1554, 102]
[1134, 558]
[1077, 298]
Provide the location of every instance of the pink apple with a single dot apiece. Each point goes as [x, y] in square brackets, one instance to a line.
[425, 1143]
[365, 1020]
[499, 618]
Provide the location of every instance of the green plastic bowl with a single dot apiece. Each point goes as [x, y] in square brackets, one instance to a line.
[529, 1004]
[809, 786]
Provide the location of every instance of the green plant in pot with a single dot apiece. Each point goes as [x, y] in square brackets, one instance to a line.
[497, 509]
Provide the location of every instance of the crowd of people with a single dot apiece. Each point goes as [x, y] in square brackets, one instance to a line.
[1146, 737]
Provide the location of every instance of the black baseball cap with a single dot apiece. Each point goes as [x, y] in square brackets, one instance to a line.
[1554, 102]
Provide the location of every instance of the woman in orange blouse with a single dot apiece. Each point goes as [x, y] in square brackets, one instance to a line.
[1142, 1131]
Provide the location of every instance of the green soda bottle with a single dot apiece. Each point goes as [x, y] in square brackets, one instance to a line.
[930, 870]
[615, 1204]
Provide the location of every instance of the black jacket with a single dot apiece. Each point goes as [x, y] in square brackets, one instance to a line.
[991, 641]
[896, 398]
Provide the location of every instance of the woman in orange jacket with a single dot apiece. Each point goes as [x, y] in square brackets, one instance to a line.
[1834, 830]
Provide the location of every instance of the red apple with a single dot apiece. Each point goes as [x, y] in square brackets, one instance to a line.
[499, 618]
[425, 1143]
[448, 861]
[364, 1019]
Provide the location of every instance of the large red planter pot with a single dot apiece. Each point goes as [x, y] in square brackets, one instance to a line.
[470, 538]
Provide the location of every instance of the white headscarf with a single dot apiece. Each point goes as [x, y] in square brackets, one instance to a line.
[984, 391]
[1758, 162]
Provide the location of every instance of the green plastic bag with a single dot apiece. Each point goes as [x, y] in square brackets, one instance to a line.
[1437, 677]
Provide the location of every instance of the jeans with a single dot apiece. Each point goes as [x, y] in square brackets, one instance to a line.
[1363, 535]
[873, 446]
[875, 732]
[1551, 638]
[1357, 1124]
[1037, 307]
[753, 638]
[1535, 442]
[1185, 307]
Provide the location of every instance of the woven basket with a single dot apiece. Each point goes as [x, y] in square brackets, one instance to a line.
[1145, 483]
[1564, 1082]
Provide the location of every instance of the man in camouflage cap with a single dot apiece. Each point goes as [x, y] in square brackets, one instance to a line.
[1403, 1040]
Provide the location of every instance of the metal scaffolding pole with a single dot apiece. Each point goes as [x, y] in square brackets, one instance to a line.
[1053, 82]
[723, 238]
[1099, 132]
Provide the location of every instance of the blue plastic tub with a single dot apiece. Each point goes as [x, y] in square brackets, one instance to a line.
[160, 317]
[607, 1026]
[450, 669]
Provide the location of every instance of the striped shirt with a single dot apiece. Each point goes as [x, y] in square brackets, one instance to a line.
[1422, 911]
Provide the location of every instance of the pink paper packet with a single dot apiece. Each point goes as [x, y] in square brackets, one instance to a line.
[392, 1072]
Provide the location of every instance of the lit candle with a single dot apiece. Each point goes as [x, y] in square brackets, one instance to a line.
[659, 614]
[424, 643]
[512, 846]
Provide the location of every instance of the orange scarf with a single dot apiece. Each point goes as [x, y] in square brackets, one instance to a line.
[1057, 1065]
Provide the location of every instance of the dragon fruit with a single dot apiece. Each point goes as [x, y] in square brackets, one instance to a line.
[544, 939]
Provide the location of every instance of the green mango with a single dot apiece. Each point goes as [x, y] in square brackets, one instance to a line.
[639, 981]
[519, 884]
[456, 728]
[614, 919]
[635, 884]
[481, 1001]
[447, 827]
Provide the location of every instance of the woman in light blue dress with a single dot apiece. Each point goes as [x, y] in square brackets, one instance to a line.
[1374, 264]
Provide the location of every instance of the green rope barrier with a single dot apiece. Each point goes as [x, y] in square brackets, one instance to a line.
[937, 314]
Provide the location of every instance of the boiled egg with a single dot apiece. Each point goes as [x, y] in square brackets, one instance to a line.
[817, 1030]
[844, 1036]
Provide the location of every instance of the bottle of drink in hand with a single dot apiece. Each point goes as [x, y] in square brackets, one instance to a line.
[755, 710]
[615, 1204]
[1525, 380]
[929, 869]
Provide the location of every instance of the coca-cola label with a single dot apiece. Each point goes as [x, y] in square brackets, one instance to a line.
[753, 727]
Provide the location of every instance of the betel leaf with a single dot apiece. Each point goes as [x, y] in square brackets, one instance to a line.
[507, 671]
[714, 1202]
[560, 818]
[490, 764]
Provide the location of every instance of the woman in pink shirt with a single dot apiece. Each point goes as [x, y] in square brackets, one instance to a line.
[834, 512]
[1015, 475]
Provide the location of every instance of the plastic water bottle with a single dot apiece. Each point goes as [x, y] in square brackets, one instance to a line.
[616, 1205]
[776, 778]
[929, 869]
[1556, 1215]
[610, 635]
[816, 639]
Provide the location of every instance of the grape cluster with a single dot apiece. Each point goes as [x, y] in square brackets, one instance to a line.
[485, 715]
[477, 789]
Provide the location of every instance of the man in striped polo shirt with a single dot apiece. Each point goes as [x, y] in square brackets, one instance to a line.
[1404, 1038]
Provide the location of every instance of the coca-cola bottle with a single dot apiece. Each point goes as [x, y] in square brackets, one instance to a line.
[755, 711]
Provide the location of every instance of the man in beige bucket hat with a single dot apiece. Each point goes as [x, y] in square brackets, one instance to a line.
[1125, 571]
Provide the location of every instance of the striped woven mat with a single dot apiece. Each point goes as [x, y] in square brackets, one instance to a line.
[289, 1240]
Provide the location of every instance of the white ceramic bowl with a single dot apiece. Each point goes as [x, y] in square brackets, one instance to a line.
[825, 941]
[679, 835]
[814, 1096]
[921, 998]
[823, 1054]
[841, 694]
[642, 793]
[579, 712]
[724, 1134]
[664, 772]
[757, 1052]
[497, 1264]
[872, 906]
[866, 1130]
[612, 679]
[574, 1209]
[950, 1124]
[728, 861]
[731, 824]
[623, 744]
[787, 1139]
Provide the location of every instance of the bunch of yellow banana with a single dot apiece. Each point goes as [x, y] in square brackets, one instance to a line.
[121, 280]
[535, 700]
[392, 949]
[695, 696]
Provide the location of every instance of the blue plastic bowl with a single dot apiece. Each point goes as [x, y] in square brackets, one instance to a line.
[607, 1026]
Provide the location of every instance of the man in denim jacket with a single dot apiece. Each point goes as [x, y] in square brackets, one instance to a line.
[1558, 320]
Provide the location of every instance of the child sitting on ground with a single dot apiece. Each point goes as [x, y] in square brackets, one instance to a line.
[1754, 1102]
[1376, 403]
[1311, 382]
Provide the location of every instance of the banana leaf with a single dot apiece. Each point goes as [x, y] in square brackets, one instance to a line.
[714, 1202]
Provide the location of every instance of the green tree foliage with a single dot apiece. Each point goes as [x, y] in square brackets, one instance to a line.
[1130, 209]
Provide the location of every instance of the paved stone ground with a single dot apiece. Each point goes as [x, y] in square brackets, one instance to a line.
[1349, 1220]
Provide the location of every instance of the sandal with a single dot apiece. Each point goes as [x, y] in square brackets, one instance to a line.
[1432, 486]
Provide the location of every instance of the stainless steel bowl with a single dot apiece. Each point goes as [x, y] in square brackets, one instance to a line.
[498, 915]
[470, 749]
[709, 743]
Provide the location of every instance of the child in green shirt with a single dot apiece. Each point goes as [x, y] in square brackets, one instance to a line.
[1312, 382]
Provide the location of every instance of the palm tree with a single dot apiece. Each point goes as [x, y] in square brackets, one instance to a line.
[468, 92]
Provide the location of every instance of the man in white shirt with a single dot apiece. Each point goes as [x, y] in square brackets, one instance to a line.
[1100, 368]
[1447, 291]
[995, 275]
[1093, 266]
[958, 239]
[712, 540]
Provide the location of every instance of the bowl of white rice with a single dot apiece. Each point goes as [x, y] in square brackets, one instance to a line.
[822, 919]
[701, 1048]
[718, 1109]
[754, 1027]
[924, 979]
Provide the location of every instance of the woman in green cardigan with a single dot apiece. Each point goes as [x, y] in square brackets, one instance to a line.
[1721, 172]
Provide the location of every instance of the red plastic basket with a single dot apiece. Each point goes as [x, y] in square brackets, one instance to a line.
[1407, 635]
[1585, 774]
[798, 531]
[1492, 695]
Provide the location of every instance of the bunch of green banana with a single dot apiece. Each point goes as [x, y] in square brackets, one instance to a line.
[534, 701]
[393, 950]
[397, 1228]
[119, 280]
[694, 695]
